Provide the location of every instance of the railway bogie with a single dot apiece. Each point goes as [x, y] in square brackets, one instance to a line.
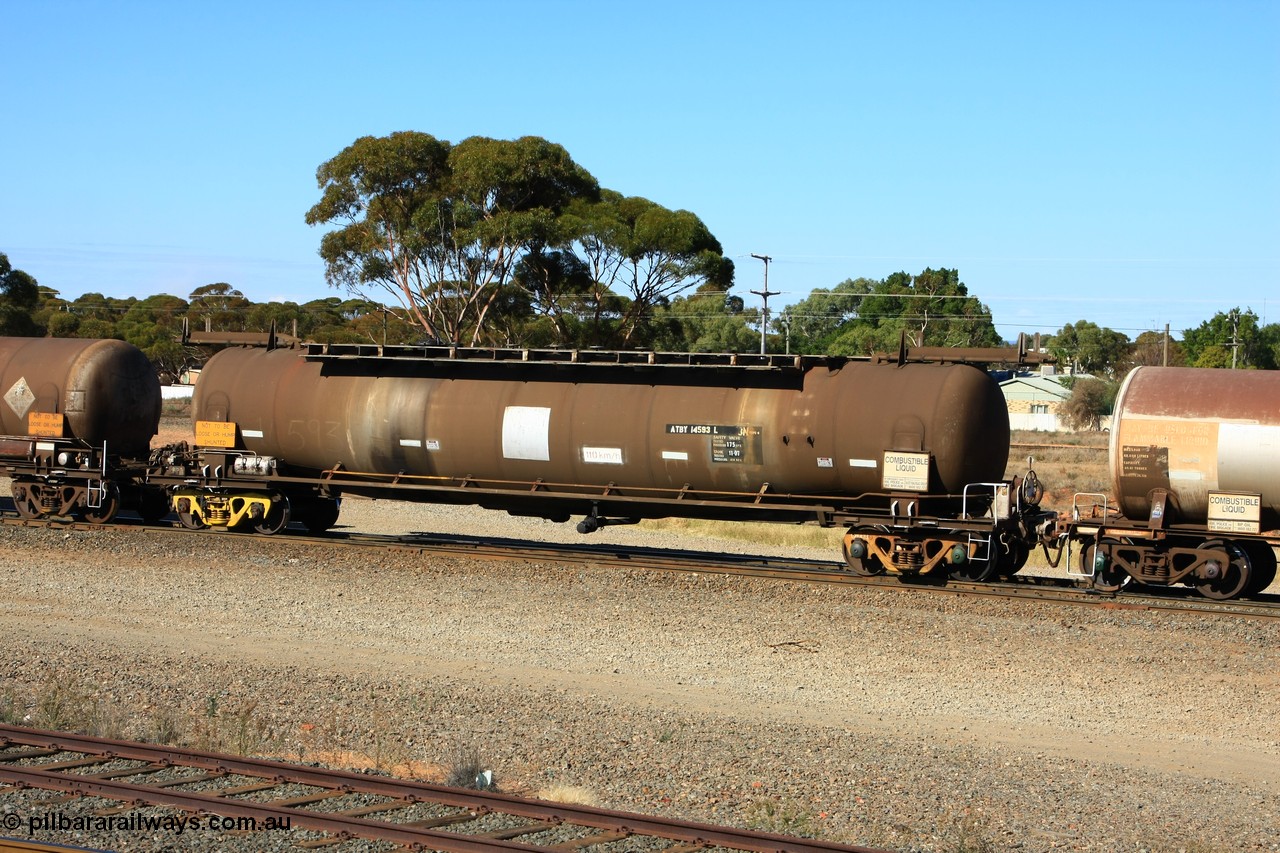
[991, 535]
[1221, 568]
[264, 512]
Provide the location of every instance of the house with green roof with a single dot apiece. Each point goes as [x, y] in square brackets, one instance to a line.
[1035, 401]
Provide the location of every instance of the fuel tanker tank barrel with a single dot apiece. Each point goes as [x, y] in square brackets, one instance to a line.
[815, 431]
[1191, 431]
[106, 390]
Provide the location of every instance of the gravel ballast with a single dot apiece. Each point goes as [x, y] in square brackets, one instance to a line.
[884, 718]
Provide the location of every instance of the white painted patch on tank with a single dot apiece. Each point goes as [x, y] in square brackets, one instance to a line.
[675, 455]
[1249, 460]
[525, 433]
[862, 463]
[251, 433]
[410, 442]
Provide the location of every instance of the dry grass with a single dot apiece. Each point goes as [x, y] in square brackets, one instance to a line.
[354, 738]
[1066, 463]
[179, 407]
[783, 535]
[571, 794]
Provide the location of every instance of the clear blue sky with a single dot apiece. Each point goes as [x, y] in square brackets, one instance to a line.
[1116, 161]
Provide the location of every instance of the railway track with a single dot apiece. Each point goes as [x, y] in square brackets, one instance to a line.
[321, 808]
[1042, 589]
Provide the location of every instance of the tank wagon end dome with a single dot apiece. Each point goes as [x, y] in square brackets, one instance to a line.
[106, 389]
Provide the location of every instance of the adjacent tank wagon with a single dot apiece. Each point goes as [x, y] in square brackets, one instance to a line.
[76, 423]
[1195, 469]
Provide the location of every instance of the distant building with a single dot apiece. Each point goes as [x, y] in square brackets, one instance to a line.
[1035, 401]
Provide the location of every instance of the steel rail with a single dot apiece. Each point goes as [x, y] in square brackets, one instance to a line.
[1030, 588]
[607, 825]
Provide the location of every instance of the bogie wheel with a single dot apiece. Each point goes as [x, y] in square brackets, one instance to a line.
[978, 569]
[184, 506]
[318, 515]
[277, 518]
[153, 505]
[1232, 579]
[1262, 565]
[25, 500]
[859, 558]
[1013, 557]
[106, 511]
[1109, 578]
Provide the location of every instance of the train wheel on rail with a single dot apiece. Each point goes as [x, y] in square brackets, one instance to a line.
[277, 517]
[26, 500]
[153, 504]
[1013, 556]
[1262, 565]
[1107, 577]
[1230, 580]
[317, 514]
[105, 511]
[184, 506]
[974, 569]
[859, 557]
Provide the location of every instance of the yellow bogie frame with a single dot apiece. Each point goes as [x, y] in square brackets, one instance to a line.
[215, 510]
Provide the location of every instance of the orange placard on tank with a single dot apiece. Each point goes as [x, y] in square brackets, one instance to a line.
[216, 433]
[45, 424]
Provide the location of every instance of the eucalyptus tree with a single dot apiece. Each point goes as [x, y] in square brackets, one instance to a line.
[218, 306]
[1152, 348]
[1090, 348]
[815, 320]
[636, 247]
[441, 227]
[707, 321]
[931, 309]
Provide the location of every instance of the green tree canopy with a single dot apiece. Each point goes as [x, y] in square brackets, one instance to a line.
[1090, 348]
[19, 299]
[865, 315]
[218, 307]
[1149, 349]
[1232, 339]
[817, 319]
[441, 227]
[707, 321]
[1090, 400]
[636, 247]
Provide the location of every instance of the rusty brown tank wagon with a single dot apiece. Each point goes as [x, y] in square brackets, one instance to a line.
[76, 423]
[908, 453]
[1195, 468]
